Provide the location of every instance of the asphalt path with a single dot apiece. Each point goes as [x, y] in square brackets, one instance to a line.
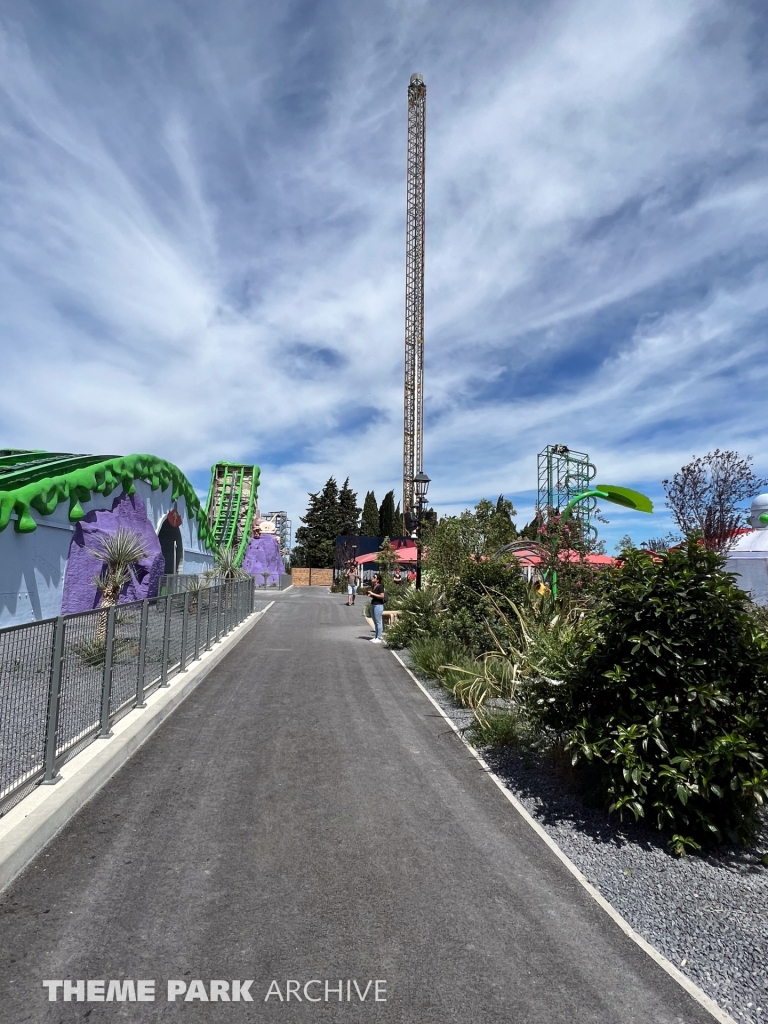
[307, 816]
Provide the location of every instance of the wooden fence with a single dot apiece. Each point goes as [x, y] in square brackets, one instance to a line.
[312, 577]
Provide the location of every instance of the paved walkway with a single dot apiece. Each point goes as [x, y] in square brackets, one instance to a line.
[306, 814]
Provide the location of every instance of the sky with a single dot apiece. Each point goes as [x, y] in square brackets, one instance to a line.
[202, 238]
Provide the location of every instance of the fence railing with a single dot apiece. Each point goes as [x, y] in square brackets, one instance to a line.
[64, 682]
[179, 583]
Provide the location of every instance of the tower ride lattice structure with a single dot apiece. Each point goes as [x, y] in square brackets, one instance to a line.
[413, 414]
[564, 473]
[283, 530]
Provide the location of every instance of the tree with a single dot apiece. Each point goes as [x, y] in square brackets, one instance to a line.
[369, 527]
[660, 545]
[705, 494]
[451, 544]
[531, 530]
[624, 545]
[316, 540]
[495, 523]
[387, 516]
[387, 556]
[349, 511]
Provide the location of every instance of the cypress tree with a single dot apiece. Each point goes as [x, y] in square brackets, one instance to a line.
[387, 516]
[349, 511]
[369, 526]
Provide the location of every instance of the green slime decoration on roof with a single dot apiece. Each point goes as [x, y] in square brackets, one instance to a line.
[44, 485]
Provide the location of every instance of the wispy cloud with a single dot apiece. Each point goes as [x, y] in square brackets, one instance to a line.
[202, 214]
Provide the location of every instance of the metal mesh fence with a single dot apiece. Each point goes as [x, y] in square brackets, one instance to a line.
[82, 673]
[175, 623]
[189, 633]
[153, 656]
[25, 674]
[146, 636]
[125, 658]
[215, 614]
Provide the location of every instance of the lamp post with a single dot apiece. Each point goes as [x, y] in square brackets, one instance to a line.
[421, 484]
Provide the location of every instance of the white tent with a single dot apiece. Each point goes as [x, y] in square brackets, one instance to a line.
[748, 558]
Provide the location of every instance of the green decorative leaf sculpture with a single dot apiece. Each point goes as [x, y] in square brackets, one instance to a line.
[625, 496]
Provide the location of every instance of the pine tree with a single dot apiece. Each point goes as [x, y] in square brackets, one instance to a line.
[369, 526]
[349, 511]
[315, 541]
[387, 516]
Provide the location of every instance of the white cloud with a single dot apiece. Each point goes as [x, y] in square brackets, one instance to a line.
[174, 228]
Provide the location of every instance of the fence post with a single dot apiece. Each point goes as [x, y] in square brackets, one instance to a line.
[199, 599]
[54, 693]
[184, 630]
[106, 685]
[140, 702]
[218, 612]
[166, 641]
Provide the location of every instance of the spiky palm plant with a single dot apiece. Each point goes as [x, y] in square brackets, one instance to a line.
[226, 567]
[118, 552]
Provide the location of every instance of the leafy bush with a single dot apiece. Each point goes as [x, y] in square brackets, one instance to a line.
[498, 729]
[667, 697]
[420, 611]
[472, 618]
[430, 654]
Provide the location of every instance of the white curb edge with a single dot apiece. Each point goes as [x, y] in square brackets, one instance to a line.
[690, 987]
[35, 820]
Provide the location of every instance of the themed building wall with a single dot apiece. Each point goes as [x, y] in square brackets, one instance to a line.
[33, 566]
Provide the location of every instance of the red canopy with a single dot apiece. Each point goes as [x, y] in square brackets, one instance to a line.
[530, 556]
[404, 554]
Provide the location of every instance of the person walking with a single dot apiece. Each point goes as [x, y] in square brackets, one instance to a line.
[352, 583]
[378, 596]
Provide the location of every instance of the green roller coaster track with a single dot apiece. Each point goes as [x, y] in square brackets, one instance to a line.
[231, 505]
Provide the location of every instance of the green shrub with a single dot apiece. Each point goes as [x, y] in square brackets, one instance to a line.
[420, 611]
[429, 654]
[497, 729]
[667, 697]
[472, 617]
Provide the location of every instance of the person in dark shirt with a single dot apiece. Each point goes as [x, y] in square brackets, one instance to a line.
[377, 596]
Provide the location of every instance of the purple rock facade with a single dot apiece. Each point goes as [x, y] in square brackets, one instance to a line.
[129, 511]
[263, 555]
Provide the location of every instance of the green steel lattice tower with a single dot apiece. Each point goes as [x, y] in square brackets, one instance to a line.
[564, 473]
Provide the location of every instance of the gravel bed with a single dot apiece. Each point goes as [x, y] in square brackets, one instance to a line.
[707, 915]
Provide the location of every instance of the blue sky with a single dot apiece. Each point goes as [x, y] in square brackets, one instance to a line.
[202, 220]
